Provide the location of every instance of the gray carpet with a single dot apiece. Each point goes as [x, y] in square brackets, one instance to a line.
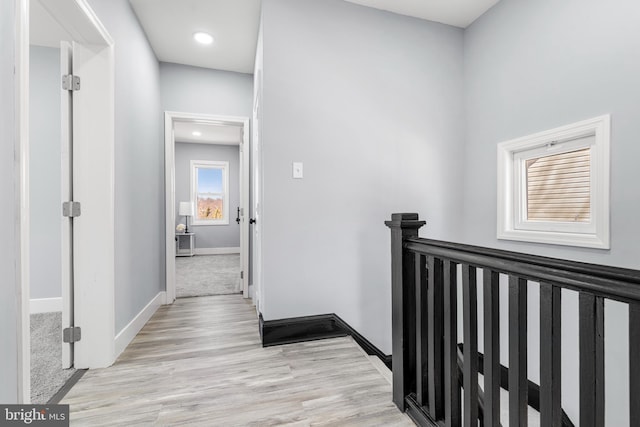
[47, 375]
[202, 275]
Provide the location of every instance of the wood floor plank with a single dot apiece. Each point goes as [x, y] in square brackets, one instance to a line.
[200, 362]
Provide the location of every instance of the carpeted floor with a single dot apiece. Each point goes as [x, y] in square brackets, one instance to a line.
[202, 275]
[47, 375]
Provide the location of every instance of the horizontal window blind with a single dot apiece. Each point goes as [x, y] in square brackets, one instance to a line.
[559, 187]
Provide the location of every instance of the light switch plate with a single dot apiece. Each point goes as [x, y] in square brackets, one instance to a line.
[297, 170]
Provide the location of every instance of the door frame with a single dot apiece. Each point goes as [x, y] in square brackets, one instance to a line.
[170, 118]
[96, 305]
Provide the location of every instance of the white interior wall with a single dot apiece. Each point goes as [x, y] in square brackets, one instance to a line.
[532, 66]
[139, 163]
[371, 102]
[200, 90]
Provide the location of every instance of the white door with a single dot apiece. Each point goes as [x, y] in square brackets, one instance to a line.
[93, 188]
[256, 160]
[66, 64]
[243, 213]
[87, 178]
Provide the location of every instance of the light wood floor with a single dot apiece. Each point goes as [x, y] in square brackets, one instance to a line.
[200, 362]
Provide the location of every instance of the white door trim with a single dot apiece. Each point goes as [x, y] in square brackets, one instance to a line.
[170, 118]
[84, 27]
[22, 178]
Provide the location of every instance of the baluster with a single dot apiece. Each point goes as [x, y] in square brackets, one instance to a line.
[491, 348]
[634, 366]
[518, 385]
[470, 368]
[421, 329]
[591, 360]
[435, 334]
[452, 404]
[550, 355]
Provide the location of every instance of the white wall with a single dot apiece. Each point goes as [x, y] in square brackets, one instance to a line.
[532, 66]
[45, 172]
[372, 103]
[209, 236]
[201, 90]
[139, 163]
[9, 285]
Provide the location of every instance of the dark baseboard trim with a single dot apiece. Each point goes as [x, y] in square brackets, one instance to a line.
[309, 328]
[366, 345]
[60, 394]
[417, 412]
[299, 329]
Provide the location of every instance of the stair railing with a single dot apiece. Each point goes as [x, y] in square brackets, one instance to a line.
[426, 376]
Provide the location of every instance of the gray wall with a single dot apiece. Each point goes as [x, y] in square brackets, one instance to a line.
[10, 284]
[209, 236]
[139, 163]
[200, 90]
[372, 103]
[45, 172]
[532, 66]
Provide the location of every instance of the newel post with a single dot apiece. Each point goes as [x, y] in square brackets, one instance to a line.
[403, 318]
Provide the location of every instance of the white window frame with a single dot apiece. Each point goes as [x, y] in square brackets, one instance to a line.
[209, 164]
[512, 223]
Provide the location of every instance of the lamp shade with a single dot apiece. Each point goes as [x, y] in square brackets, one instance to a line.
[186, 209]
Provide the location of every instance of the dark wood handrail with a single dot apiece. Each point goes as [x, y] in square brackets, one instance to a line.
[609, 282]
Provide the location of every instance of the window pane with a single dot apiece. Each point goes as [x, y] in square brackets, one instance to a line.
[210, 201]
[559, 187]
[209, 180]
[210, 206]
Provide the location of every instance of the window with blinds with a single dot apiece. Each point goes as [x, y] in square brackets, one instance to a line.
[559, 187]
[553, 186]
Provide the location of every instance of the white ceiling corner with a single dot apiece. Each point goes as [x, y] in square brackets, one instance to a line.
[44, 30]
[459, 13]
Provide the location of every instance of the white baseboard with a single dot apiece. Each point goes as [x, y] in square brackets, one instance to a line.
[129, 332]
[216, 251]
[45, 305]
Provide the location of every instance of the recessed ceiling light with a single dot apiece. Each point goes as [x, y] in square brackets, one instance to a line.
[196, 133]
[202, 37]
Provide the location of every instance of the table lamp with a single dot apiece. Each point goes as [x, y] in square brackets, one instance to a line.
[186, 210]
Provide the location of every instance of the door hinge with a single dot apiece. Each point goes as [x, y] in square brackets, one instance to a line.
[71, 209]
[242, 274]
[71, 335]
[70, 82]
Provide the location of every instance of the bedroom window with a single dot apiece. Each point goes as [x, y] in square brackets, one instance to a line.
[553, 186]
[210, 192]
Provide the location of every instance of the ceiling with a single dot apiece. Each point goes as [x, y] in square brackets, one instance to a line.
[44, 30]
[170, 25]
[234, 24]
[459, 13]
[209, 134]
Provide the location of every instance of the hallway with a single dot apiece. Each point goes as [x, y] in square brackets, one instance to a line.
[200, 362]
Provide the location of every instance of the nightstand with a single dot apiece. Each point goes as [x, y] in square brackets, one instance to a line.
[185, 244]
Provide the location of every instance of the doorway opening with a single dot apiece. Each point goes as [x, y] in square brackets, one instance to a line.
[207, 205]
[67, 260]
